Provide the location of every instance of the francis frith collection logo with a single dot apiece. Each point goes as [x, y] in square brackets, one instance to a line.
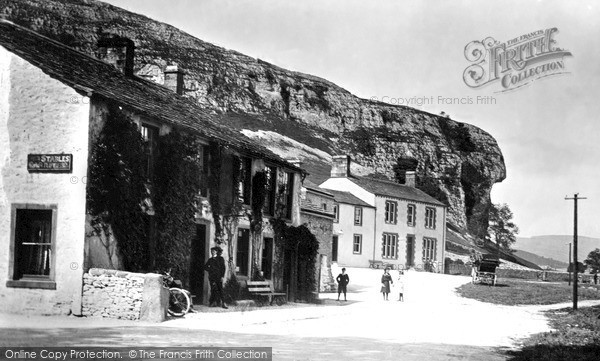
[516, 62]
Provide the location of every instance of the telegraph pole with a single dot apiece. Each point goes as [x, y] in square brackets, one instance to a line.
[575, 268]
[570, 269]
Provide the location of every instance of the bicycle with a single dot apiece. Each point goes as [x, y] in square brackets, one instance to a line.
[179, 299]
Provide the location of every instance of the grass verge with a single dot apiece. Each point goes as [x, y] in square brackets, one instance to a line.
[523, 292]
[576, 336]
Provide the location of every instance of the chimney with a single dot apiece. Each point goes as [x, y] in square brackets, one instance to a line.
[118, 51]
[174, 79]
[340, 166]
[410, 178]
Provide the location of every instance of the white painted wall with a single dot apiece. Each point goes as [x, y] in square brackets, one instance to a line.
[345, 230]
[403, 229]
[41, 115]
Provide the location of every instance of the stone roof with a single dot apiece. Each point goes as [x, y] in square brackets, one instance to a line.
[92, 77]
[394, 190]
[348, 198]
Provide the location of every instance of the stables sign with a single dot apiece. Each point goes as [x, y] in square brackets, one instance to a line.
[516, 62]
[50, 163]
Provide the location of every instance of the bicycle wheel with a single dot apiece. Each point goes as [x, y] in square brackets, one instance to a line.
[179, 302]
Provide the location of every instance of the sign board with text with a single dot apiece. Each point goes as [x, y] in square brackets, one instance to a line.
[50, 163]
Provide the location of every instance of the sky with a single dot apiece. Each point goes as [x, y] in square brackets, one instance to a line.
[393, 50]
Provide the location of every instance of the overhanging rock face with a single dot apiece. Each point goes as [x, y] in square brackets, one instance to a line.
[456, 163]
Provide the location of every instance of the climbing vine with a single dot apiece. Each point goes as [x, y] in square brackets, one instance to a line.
[177, 183]
[259, 191]
[302, 246]
[116, 189]
[214, 187]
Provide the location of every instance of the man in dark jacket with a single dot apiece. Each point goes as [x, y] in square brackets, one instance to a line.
[215, 266]
[342, 280]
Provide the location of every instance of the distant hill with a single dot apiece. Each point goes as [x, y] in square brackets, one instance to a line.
[541, 261]
[556, 247]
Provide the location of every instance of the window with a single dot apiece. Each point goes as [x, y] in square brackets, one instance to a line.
[391, 212]
[411, 212]
[357, 244]
[358, 216]
[34, 228]
[430, 217]
[244, 185]
[287, 194]
[150, 137]
[390, 246]
[429, 247]
[336, 213]
[269, 206]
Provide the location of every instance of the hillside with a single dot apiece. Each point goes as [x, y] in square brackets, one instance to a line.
[294, 114]
[541, 261]
[557, 247]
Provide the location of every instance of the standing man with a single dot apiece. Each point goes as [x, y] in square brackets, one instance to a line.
[342, 280]
[215, 266]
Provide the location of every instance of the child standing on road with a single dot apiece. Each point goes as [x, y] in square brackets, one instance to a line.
[400, 286]
[342, 280]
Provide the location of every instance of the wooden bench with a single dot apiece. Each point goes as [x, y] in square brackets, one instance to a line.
[380, 264]
[265, 288]
[375, 264]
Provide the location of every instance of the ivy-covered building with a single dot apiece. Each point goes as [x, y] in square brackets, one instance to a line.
[101, 168]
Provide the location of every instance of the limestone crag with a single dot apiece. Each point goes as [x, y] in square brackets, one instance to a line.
[457, 163]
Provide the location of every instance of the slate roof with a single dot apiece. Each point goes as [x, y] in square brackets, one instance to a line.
[390, 189]
[87, 74]
[348, 198]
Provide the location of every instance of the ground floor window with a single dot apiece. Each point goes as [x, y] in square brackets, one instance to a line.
[429, 247]
[33, 243]
[390, 246]
[357, 244]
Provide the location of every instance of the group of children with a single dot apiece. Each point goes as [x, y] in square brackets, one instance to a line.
[386, 281]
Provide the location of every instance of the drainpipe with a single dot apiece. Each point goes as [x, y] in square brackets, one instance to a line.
[444, 242]
[375, 230]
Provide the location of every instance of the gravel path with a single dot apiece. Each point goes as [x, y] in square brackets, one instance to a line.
[432, 313]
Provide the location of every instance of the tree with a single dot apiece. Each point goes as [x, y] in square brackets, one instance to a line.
[593, 261]
[501, 228]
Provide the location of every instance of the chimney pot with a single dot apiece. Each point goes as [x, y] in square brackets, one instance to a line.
[118, 51]
[340, 166]
[410, 178]
[174, 79]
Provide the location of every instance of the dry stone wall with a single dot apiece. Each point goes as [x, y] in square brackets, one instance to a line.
[119, 294]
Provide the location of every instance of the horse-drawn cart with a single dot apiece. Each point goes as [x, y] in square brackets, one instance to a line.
[484, 270]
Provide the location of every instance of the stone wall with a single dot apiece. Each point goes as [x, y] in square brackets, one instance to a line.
[542, 275]
[322, 228]
[124, 295]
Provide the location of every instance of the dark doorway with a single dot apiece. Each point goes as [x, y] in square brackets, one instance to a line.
[334, 249]
[243, 251]
[198, 255]
[410, 250]
[267, 258]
